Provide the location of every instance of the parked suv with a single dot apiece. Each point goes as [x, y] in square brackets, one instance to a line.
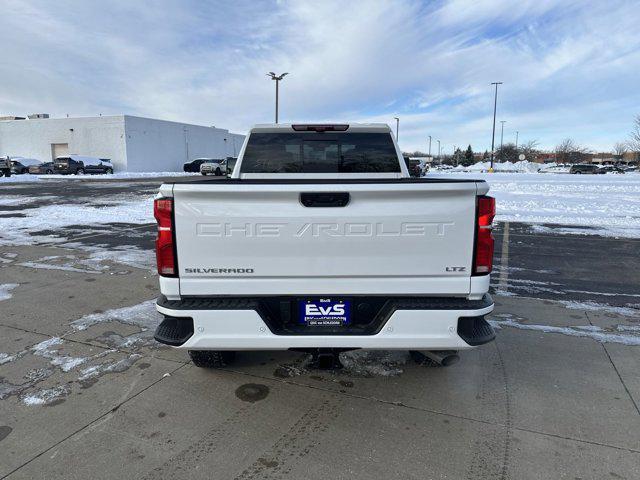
[215, 167]
[5, 166]
[585, 168]
[68, 166]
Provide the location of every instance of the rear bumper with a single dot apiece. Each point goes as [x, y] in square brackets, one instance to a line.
[239, 324]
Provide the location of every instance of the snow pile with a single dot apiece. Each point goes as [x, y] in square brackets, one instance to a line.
[523, 166]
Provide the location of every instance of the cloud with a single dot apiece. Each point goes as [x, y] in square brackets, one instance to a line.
[569, 68]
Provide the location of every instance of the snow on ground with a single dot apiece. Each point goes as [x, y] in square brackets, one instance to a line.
[16, 229]
[49, 349]
[13, 200]
[600, 307]
[5, 290]
[124, 254]
[143, 315]
[602, 204]
[589, 331]
[46, 396]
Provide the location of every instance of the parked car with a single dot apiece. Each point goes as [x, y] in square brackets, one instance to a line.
[214, 167]
[309, 250]
[20, 165]
[97, 165]
[194, 165]
[41, 169]
[5, 166]
[612, 169]
[559, 168]
[588, 168]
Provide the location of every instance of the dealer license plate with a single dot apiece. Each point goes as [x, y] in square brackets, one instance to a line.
[325, 312]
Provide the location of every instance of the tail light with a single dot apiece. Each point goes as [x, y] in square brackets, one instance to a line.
[165, 246]
[483, 259]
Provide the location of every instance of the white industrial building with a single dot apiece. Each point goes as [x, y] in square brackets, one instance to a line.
[133, 144]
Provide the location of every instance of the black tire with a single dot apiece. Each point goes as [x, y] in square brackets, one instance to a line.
[49, 172]
[218, 172]
[80, 171]
[578, 173]
[203, 174]
[109, 171]
[212, 358]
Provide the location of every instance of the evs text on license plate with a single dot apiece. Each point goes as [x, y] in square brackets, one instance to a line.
[325, 312]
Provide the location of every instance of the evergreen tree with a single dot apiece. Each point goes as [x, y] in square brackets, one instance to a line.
[468, 157]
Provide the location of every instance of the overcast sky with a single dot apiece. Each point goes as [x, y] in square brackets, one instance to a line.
[570, 69]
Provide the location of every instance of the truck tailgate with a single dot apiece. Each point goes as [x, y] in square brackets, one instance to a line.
[390, 238]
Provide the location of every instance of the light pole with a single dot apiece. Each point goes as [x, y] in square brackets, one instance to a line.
[493, 134]
[517, 140]
[501, 137]
[277, 79]
[438, 149]
[397, 129]
[429, 146]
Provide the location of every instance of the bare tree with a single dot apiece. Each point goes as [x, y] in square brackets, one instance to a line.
[568, 151]
[529, 149]
[507, 153]
[634, 136]
[620, 148]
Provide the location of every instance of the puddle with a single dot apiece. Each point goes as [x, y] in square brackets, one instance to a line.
[252, 392]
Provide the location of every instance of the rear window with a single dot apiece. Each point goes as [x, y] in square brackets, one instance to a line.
[314, 152]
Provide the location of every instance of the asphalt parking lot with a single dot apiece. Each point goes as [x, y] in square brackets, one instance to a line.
[86, 393]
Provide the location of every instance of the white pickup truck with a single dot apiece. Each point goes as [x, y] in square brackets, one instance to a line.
[319, 240]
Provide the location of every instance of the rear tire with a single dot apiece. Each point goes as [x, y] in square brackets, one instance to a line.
[212, 358]
[49, 172]
[80, 171]
[218, 172]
